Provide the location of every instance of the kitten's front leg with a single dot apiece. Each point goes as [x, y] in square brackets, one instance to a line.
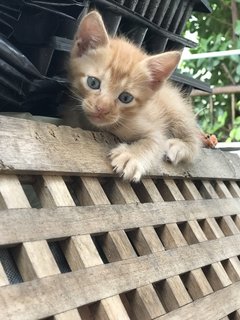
[132, 161]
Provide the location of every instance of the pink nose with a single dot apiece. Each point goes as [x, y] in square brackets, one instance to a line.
[101, 110]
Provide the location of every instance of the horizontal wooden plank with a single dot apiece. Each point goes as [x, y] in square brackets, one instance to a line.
[58, 293]
[35, 147]
[61, 222]
[213, 306]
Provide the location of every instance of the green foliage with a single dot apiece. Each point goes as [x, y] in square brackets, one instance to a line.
[215, 32]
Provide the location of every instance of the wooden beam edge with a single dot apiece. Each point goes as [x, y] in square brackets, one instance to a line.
[42, 148]
[62, 222]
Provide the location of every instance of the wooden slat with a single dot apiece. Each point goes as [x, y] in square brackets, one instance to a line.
[215, 306]
[3, 276]
[144, 303]
[33, 224]
[145, 240]
[209, 225]
[236, 220]
[151, 189]
[171, 236]
[200, 286]
[90, 194]
[108, 308]
[121, 246]
[234, 189]
[120, 192]
[208, 190]
[236, 315]
[9, 186]
[189, 190]
[217, 276]
[211, 229]
[232, 267]
[191, 233]
[93, 194]
[227, 225]
[80, 287]
[80, 250]
[197, 284]
[173, 189]
[174, 284]
[173, 293]
[43, 148]
[35, 259]
[53, 192]
[222, 190]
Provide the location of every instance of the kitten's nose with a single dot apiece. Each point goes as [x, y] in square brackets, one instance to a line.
[101, 110]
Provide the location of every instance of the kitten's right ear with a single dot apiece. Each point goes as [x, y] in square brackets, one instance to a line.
[91, 34]
[161, 66]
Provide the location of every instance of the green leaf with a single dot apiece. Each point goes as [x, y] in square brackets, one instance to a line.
[237, 28]
[238, 70]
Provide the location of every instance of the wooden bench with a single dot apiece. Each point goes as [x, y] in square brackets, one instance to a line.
[76, 242]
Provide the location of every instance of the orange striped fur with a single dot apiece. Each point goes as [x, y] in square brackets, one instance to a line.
[157, 123]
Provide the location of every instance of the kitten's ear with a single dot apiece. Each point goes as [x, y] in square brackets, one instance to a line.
[161, 66]
[91, 34]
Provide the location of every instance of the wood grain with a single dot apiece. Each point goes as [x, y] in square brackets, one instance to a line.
[71, 290]
[61, 222]
[34, 259]
[35, 147]
[213, 306]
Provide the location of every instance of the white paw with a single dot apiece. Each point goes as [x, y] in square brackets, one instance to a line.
[125, 163]
[176, 151]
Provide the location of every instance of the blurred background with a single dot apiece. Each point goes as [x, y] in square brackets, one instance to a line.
[213, 62]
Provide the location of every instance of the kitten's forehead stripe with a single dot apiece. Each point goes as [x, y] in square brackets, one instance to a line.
[124, 59]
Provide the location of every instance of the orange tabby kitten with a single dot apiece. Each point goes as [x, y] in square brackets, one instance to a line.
[124, 91]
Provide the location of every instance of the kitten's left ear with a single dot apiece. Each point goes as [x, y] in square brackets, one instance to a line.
[91, 34]
[161, 66]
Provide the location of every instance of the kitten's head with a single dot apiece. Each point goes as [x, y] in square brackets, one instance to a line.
[113, 77]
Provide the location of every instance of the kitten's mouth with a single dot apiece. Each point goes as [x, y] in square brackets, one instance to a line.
[97, 119]
[100, 120]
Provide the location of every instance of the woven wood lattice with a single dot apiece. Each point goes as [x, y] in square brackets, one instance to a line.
[83, 244]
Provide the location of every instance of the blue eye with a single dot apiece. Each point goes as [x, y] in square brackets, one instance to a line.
[93, 83]
[125, 97]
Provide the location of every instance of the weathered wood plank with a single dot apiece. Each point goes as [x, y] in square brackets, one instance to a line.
[197, 284]
[36, 224]
[35, 147]
[81, 252]
[53, 192]
[142, 303]
[3, 276]
[213, 306]
[217, 276]
[37, 299]
[173, 293]
[34, 260]
[232, 267]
